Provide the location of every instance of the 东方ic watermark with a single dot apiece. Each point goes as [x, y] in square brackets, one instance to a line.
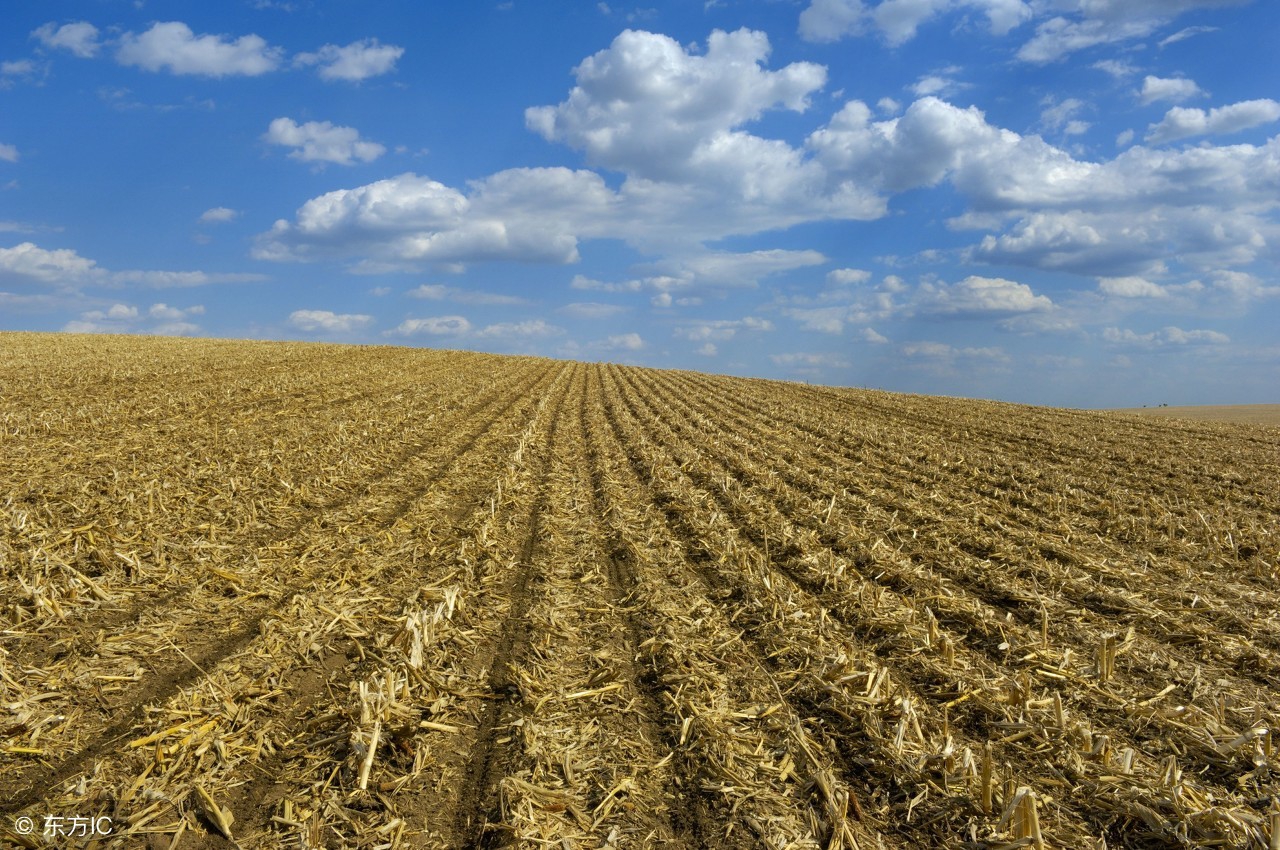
[58, 826]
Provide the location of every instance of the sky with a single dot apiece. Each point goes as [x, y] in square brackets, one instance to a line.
[1063, 202]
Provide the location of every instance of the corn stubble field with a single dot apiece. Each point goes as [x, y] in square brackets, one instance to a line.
[282, 595]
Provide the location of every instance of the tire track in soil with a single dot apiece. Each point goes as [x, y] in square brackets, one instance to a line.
[82, 626]
[256, 796]
[701, 559]
[851, 748]
[162, 684]
[479, 816]
[689, 820]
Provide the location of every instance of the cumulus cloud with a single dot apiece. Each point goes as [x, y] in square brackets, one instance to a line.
[940, 353]
[159, 319]
[8, 153]
[720, 330]
[592, 310]
[321, 141]
[434, 326]
[1180, 122]
[174, 314]
[357, 61]
[218, 215]
[808, 359]
[848, 277]
[1172, 88]
[80, 38]
[440, 292]
[174, 47]
[530, 328]
[59, 266]
[898, 20]
[649, 107]
[980, 296]
[526, 215]
[327, 321]
[1130, 287]
[1164, 337]
[621, 342]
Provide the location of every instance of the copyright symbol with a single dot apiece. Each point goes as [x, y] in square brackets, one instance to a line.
[24, 825]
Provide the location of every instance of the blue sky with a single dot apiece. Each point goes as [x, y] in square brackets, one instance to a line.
[1068, 202]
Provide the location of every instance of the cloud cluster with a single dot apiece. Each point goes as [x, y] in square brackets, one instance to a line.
[353, 63]
[1062, 27]
[320, 141]
[326, 321]
[159, 319]
[1169, 336]
[173, 47]
[898, 20]
[1182, 123]
[80, 38]
[66, 269]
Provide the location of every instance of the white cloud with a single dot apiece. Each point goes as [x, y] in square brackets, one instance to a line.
[1171, 88]
[1062, 116]
[719, 330]
[1185, 33]
[61, 265]
[707, 349]
[1119, 68]
[828, 361]
[159, 319]
[593, 310]
[529, 328]
[648, 107]
[669, 119]
[1180, 122]
[320, 141]
[218, 215]
[1130, 287]
[745, 269]
[358, 61]
[980, 296]
[826, 21]
[525, 215]
[173, 46]
[14, 70]
[941, 353]
[1088, 23]
[328, 322]
[1163, 337]
[168, 280]
[174, 314]
[621, 342]
[829, 320]
[116, 312]
[440, 292]
[898, 20]
[870, 335]
[435, 326]
[80, 38]
[8, 153]
[848, 277]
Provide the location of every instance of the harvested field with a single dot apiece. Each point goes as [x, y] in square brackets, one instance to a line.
[267, 595]
[1251, 414]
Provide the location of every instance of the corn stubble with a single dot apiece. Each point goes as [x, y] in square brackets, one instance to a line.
[279, 595]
